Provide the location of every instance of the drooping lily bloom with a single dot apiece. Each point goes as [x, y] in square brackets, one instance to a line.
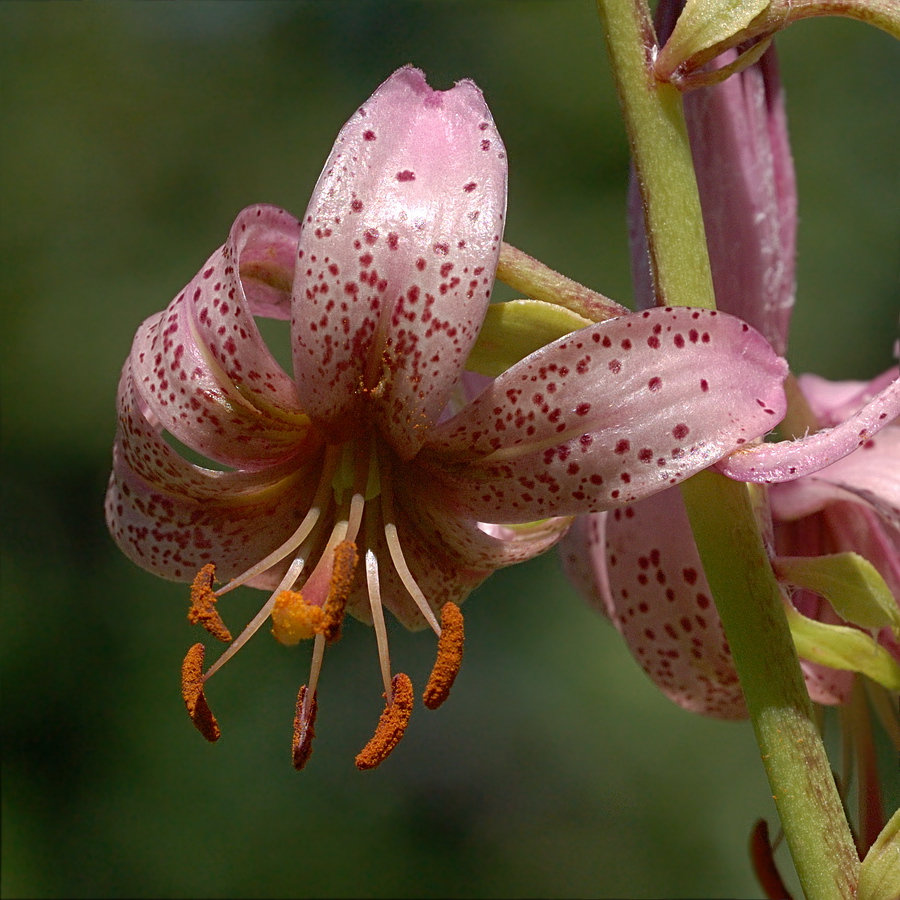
[850, 505]
[640, 565]
[367, 479]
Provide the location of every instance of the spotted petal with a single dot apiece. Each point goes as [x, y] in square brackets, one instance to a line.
[468, 542]
[639, 565]
[397, 257]
[789, 460]
[608, 415]
[201, 365]
[173, 517]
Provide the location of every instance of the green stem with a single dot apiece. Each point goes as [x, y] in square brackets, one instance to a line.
[526, 274]
[734, 556]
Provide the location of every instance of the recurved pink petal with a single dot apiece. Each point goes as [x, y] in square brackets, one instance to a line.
[173, 517]
[141, 448]
[397, 257]
[201, 365]
[174, 535]
[871, 475]
[429, 508]
[748, 194]
[639, 565]
[608, 415]
[789, 460]
[833, 401]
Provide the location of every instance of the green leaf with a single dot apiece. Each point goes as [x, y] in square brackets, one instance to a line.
[879, 874]
[705, 23]
[849, 582]
[842, 647]
[513, 330]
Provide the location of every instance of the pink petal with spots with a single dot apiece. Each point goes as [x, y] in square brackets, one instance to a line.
[639, 565]
[142, 449]
[201, 365]
[172, 517]
[470, 543]
[609, 414]
[174, 535]
[268, 254]
[871, 475]
[833, 401]
[397, 258]
[789, 460]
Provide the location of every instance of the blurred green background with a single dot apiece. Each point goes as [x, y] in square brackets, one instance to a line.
[131, 136]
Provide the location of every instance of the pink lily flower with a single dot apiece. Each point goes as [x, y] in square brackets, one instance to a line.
[640, 567]
[841, 485]
[852, 504]
[367, 479]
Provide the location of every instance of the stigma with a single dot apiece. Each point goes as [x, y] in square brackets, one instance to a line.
[329, 558]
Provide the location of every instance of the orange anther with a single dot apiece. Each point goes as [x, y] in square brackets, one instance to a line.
[342, 573]
[304, 729]
[390, 726]
[192, 692]
[449, 657]
[203, 605]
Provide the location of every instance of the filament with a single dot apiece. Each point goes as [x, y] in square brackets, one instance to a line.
[315, 668]
[292, 574]
[332, 454]
[374, 591]
[397, 557]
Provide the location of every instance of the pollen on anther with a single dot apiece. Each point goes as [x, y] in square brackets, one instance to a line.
[304, 729]
[390, 726]
[449, 656]
[194, 698]
[342, 573]
[203, 605]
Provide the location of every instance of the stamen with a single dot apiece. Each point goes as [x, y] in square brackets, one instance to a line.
[390, 726]
[449, 656]
[322, 498]
[203, 605]
[304, 728]
[342, 573]
[396, 551]
[294, 620]
[374, 588]
[194, 698]
[315, 667]
[293, 572]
